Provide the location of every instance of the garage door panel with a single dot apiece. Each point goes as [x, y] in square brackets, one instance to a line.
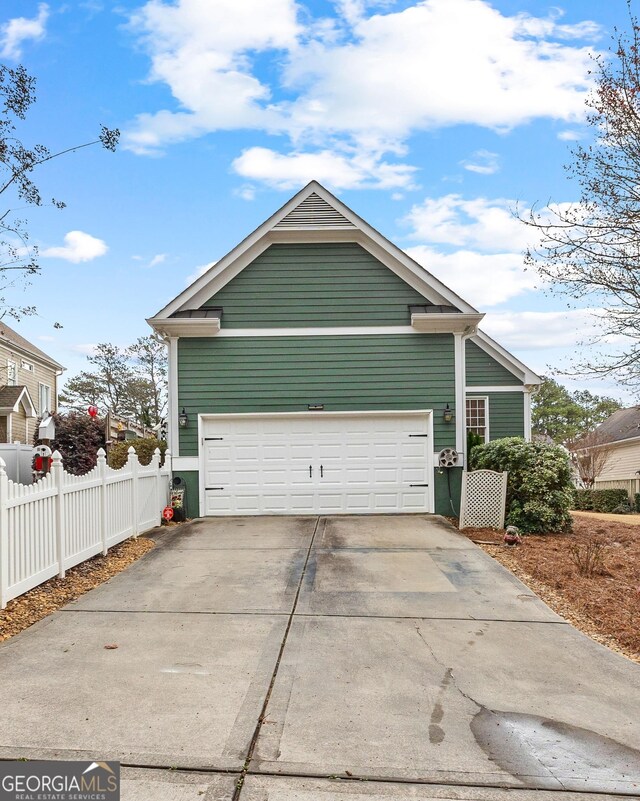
[368, 462]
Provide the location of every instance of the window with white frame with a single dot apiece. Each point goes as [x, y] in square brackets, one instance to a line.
[26, 366]
[12, 373]
[477, 416]
[44, 398]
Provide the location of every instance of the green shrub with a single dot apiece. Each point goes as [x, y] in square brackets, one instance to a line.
[78, 438]
[636, 501]
[473, 439]
[583, 500]
[118, 453]
[539, 486]
[604, 500]
[623, 509]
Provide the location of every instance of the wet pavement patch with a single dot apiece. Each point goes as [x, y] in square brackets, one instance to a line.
[528, 745]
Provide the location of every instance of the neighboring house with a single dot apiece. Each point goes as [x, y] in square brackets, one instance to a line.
[318, 369]
[123, 428]
[621, 435]
[28, 385]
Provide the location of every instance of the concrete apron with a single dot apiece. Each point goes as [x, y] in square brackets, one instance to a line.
[409, 656]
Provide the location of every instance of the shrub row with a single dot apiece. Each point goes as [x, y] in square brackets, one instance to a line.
[603, 500]
[118, 453]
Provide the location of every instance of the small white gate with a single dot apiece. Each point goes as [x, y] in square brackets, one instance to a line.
[18, 460]
[483, 499]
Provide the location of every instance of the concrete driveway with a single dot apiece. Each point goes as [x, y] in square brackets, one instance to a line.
[323, 659]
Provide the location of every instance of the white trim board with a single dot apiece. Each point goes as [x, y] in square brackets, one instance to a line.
[179, 463]
[317, 332]
[484, 389]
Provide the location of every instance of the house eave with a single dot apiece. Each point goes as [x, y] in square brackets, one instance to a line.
[185, 327]
[446, 323]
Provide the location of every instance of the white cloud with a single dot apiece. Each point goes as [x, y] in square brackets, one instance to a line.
[569, 136]
[337, 170]
[481, 278]
[159, 258]
[199, 271]
[363, 82]
[483, 162]
[78, 247]
[534, 330]
[486, 225]
[87, 349]
[201, 51]
[18, 30]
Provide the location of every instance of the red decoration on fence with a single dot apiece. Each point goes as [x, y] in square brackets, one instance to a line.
[93, 411]
[167, 513]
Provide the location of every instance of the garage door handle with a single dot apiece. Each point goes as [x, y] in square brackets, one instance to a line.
[418, 485]
[321, 471]
[310, 471]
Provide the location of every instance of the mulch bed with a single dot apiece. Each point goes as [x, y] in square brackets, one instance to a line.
[41, 601]
[605, 605]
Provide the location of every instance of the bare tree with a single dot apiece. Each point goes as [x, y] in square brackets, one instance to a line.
[18, 257]
[590, 251]
[590, 454]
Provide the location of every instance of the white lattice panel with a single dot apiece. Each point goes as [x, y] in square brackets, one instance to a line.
[482, 503]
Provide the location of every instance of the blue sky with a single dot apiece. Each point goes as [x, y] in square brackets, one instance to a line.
[431, 119]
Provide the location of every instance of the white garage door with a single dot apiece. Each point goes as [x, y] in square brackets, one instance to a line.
[316, 463]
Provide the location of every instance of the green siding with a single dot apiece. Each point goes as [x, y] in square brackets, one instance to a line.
[506, 414]
[192, 485]
[311, 285]
[484, 371]
[283, 374]
[443, 502]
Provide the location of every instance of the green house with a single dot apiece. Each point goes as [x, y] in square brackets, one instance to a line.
[318, 369]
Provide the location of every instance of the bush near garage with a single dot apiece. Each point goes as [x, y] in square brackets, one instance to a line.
[604, 500]
[78, 438]
[539, 486]
[119, 453]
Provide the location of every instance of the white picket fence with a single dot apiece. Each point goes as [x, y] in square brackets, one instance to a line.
[50, 526]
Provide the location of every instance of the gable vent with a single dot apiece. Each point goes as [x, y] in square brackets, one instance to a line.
[314, 212]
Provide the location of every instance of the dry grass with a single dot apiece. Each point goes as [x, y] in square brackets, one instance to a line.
[41, 601]
[604, 604]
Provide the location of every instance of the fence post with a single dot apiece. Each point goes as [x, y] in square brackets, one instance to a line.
[4, 534]
[155, 461]
[102, 475]
[57, 471]
[134, 464]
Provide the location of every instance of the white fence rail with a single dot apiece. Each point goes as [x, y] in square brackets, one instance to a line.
[18, 460]
[631, 485]
[60, 521]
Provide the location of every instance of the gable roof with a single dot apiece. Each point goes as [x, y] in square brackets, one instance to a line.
[623, 424]
[309, 216]
[11, 397]
[11, 337]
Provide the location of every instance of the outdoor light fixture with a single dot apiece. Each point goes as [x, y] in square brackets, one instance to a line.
[183, 418]
[447, 415]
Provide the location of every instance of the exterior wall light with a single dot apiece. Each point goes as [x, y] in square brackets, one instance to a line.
[183, 418]
[447, 415]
